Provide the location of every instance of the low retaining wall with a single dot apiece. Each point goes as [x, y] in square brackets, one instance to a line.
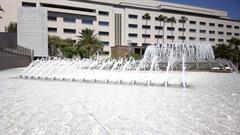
[12, 58]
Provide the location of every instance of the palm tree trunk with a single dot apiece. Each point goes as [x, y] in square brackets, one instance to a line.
[88, 53]
[172, 32]
[183, 33]
[163, 31]
[145, 39]
[159, 31]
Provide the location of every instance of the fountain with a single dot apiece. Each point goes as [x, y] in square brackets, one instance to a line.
[157, 58]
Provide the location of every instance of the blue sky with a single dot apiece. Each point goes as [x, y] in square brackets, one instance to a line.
[231, 6]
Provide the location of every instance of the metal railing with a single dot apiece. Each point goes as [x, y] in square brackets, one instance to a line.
[19, 50]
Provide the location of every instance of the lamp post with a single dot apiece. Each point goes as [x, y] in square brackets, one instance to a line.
[129, 48]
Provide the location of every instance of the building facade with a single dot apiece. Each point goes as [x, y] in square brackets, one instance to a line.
[121, 22]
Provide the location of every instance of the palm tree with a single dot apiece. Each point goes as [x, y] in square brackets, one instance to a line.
[234, 44]
[164, 20]
[89, 41]
[159, 18]
[171, 20]
[146, 17]
[222, 51]
[1, 9]
[183, 21]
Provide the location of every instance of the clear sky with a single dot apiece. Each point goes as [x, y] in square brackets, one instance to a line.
[231, 6]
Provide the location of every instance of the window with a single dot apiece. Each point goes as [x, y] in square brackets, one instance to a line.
[132, 16]
[132, 35]
[220, 33]
[180, 21]
[134, 44]
[52, 18]
[105, 43]
[170, 28]
[132, 26]
[192, 38]
[28, 4]
[146, 35]
[103, 33]
[202, 23]
[236, 27]
[145, 44]
[192, 22]
[202, 31]
[68, 7]
[220, 25]
[87, 21]
[211, 24]
[146, 27]
[103, 23]
[158, 27]
[192, 30]
[211, 32]
[220, 40]
[170, 37]
[229, 34]
[211, 39]
[236, 34]
[70, 31]
[202, 39]
[51, 29]
[146, 18]
[181, 37]
[158, 36]
[104, 13]
[229, 26]
[69, 19]
[181, 29]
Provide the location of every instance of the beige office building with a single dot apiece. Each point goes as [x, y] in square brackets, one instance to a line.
[121, 22]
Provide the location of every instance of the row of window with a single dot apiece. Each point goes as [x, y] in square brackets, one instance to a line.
[84, 20]
[183, 29]
[191, 38]
[160, 28]
[134, 35]
[213, 32]
[172, 37]
[73, 31]
[31, 4]
[131, 16]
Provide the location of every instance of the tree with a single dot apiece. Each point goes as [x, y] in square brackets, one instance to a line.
[1, 9]
[183, 20]
[146, 17]
[61, 47]
[172, 20]
[53, 42]
[234, 44]
[164, 19]
[230, 51]
[89, 42]
[12, 27]
[161, 19]
[222, 51]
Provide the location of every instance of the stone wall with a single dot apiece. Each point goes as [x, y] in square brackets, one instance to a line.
[12, 58]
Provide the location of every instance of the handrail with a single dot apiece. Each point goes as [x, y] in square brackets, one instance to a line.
[19, 50]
